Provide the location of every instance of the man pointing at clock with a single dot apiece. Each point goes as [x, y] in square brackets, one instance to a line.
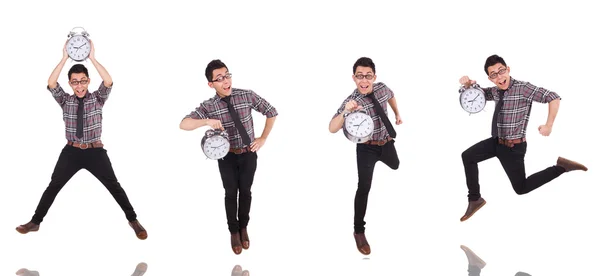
[373, 98]
[514, 99]
[231, 109]
[82, 114]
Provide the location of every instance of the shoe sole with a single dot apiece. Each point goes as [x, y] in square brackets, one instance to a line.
[27, 231]
[461, 219]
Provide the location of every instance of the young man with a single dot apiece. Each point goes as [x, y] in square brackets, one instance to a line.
[231, 109]
[513, 99]
[379, 148]
[82, 114]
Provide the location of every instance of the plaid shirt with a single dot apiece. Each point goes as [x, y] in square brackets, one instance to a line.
[92, 112]
[383, 94]
[518, 98]
[243, 101]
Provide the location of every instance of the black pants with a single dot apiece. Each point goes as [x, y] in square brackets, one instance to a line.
[512, 160]
[366, 157]
[237, 173]
[70, 161]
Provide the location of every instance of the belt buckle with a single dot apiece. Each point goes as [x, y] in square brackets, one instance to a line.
[381, 143]
[82, 147]
[238, 151]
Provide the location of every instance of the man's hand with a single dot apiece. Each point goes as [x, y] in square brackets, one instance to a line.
[257, 144]
[545, 130]
[215, 124]
[351, 106]
[466, 81]
[398, 120]
[65, 54]
[92, 51]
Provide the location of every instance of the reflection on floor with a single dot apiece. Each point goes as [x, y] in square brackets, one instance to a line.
[476, 264]
[140, 269]
[237, 271]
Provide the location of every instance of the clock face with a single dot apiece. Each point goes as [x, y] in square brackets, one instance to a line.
[472, 100]
[78, 47]
[216, 147]
[359, 124]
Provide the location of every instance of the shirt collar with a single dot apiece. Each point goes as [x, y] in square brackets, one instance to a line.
[217, 98]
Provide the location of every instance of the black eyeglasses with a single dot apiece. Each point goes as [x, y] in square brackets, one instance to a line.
[74, 82]
[360, 77]
[494, 75]
[222, 78]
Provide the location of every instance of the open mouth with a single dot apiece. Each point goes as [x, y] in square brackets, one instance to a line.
[79, 92]
[364, 87]
[503, 82]
[227, 88]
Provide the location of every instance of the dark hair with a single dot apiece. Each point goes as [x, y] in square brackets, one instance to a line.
[491, 61]
[78, 68]
[213, 65]
[364, 62]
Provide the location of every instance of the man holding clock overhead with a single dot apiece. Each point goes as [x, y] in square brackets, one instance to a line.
[372, 98]
[230, 109]
[514, 99]
[82, 114]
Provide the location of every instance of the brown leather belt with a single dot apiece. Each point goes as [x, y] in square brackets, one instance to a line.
[97, 144]
[511, 143]
[378, 143]
[240, 150]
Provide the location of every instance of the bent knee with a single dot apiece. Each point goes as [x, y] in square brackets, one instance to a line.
[521, 191]
[465, 155]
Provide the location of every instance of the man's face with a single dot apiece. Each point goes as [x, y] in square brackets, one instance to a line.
[364, 78]
[79, 83]
[499, 75]
[221, 81]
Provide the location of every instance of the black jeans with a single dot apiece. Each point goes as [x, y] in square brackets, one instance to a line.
[512, 160]
[366, 158]
[70, 161]
[237, 172]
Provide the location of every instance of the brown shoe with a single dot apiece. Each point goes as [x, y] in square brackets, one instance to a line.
[140, 232]
[28, 227]
[236, 243]
[569, 165]
[245, 239]
[362, 244]
[473, 207]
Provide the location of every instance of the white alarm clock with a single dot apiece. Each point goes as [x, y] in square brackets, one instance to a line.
[358, 126]
[215, 144]
[78, 46]
[472, 99]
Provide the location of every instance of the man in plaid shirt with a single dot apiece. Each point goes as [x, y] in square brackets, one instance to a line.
[237, 168]
[381, 146]
[82, 114]
[514, 99]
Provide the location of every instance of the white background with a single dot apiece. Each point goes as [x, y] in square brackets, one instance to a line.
[299, 57]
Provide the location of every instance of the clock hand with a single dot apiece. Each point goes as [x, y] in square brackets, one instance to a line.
[474, 98]
[218, 146]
